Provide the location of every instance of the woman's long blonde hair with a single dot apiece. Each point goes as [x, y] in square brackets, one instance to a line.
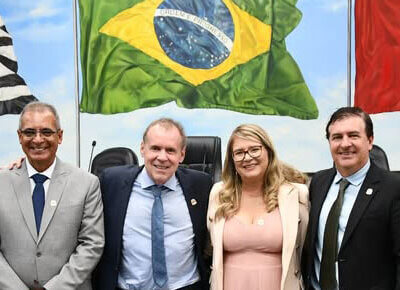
[275, 175]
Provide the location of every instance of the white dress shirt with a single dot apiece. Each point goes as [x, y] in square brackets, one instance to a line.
[48, 172]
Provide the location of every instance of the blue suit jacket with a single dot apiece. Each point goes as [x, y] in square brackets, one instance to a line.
[116, 187]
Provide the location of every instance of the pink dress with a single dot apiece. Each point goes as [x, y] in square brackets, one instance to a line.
[252, 253]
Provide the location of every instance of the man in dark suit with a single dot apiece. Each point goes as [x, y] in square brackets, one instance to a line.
[136, 255]
[353, 238]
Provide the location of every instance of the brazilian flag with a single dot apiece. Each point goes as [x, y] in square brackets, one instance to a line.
[226, 54]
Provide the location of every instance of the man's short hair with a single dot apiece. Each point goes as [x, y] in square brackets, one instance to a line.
[346, 112]
[40, 107]
[167, 123]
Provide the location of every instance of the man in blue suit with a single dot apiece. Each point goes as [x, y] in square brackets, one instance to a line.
[136, 255]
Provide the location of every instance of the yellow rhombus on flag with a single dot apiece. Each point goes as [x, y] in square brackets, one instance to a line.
[135, 26]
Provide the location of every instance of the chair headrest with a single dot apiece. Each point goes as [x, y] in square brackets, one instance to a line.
[113, 157]
[378, 156]
[203, 153]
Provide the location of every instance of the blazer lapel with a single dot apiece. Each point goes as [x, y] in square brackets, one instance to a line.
[116, 190]
[216, 229]
[218, 252]
[371, 182]
[289, 208]
[22, 188]
[320, 190]
[56, 188]
[191, 201]
[124, 189]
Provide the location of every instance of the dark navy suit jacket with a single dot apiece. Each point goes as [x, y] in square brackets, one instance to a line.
[116, 187]
[369, 256]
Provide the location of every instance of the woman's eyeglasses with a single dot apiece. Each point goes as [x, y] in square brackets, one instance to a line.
[254, 152]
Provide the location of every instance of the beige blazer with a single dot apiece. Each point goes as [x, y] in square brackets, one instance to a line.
[71, 237]
[293, 207]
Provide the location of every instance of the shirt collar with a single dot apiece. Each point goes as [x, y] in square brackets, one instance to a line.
[145, 181]
[32, 171]
[357, 177]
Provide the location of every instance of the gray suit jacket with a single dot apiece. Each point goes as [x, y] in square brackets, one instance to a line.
[71, 237]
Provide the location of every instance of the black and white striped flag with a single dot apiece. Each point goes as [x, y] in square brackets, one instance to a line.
[14, 93]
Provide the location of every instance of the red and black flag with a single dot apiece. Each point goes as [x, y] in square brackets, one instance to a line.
[14, 93]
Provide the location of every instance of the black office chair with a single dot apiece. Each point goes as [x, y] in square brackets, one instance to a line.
[203, 153]
[378, 156]
[113, 157]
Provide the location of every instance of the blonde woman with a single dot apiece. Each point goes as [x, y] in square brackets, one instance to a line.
[257, 217]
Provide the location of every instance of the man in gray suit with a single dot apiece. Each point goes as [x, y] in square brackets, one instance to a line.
[51, 213]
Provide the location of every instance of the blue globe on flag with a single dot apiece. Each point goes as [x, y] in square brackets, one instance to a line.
[197, 34]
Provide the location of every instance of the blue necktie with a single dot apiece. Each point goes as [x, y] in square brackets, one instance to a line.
[160, 276]
[38, 198]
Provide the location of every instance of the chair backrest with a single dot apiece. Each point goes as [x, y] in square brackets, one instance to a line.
[113, 157]
[378, 156]
[203, 153]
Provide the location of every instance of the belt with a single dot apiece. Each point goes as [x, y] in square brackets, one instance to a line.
[195, 286]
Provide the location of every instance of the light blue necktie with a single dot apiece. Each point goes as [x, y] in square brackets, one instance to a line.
[38, 198]
[160, 276]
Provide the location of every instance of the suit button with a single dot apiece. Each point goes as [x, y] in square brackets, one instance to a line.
[38, 254]
[342, 260]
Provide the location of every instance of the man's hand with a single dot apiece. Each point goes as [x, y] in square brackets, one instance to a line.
[14, 164]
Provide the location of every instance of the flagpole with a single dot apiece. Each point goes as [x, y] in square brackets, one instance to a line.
[349, 53]
[77, 123]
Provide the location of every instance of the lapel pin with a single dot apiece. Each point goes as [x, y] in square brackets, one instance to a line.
[193, 201]
[53, 203]
[369, 191]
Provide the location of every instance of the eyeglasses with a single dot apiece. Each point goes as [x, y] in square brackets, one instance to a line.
[31, 133]
[254, 152]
